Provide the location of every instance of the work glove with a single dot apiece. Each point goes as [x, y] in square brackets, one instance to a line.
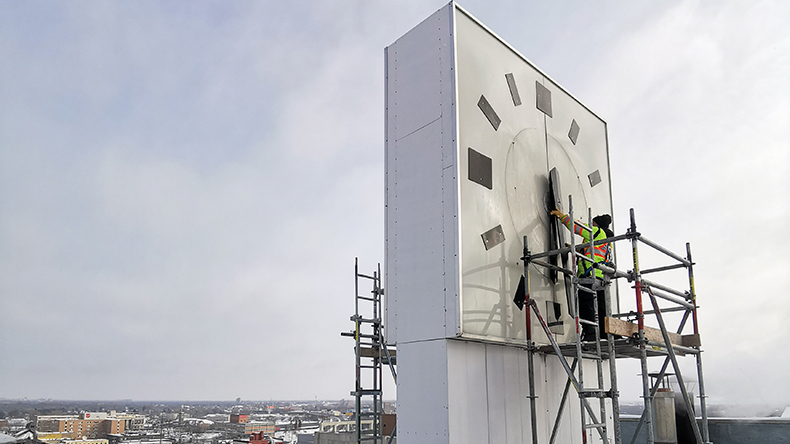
[557, 213]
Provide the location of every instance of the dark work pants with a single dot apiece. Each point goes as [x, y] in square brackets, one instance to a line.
[587, 310]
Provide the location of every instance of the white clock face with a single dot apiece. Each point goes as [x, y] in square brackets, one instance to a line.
[514, 126]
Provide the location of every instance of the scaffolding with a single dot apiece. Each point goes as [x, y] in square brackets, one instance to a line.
[623, 339]
[371, 353]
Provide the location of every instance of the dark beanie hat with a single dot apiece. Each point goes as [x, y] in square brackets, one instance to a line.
[603, 220]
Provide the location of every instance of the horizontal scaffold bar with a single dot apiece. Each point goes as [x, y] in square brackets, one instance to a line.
[652, 287]
[659, 269]
[677, 348]
[564, 250]
[605, 269]
[366, 320]
[552, 267]
[649, 312]
[664, 250]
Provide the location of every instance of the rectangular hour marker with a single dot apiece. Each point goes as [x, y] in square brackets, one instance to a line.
[511, 84]
[543, 98]
[480, 169]
[489, 112]
[595, 178]
[573, 134]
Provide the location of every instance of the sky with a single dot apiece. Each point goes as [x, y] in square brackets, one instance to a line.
[184, 187]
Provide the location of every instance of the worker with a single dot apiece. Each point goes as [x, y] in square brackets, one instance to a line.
[601, 253]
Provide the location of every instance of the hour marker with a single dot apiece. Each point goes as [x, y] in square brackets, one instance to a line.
[511, 84]
[543, 98]
[480, 170]
[493, 237]
[573, 134]
[489, 112]
[595, 178]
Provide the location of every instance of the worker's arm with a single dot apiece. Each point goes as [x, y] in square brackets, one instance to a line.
[578, 227]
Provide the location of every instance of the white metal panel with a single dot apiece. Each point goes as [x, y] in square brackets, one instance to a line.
[554, 383]
[416, 76]
[416, 285]
[516, 403]
[421, 172]
[490, 277]
[488, 389]
[423, 393]
[467, 390]
[523, 143]
[495, 383]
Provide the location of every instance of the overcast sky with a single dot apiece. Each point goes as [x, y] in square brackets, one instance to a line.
[184, 186]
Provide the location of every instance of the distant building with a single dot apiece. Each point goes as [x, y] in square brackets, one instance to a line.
[53, 436]
[85, 441]
[199, 423]
[139, 438]
[259, 427]
[260, 438]
[218, 417]
[16, 424]
[132, 421]
[25, 436]
[237, 418]
[345, 426]
[86, 425]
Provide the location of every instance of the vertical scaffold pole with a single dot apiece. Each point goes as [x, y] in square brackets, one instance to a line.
[579, 329]
[648, 399]
[597, 317]
[533, 414]
[358, 391]
[378, 401]
[613, 372]
[701, 379]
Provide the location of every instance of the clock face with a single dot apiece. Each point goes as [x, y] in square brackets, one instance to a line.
[514, 126]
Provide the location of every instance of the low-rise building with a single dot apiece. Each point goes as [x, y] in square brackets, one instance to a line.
[260, 438]
[237, 418]
[218, 417]
[139, 438]
[87, 425]
[132, 421]
[266, 428]
[85, 441]
[53, 436]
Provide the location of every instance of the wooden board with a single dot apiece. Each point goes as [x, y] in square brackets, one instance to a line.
[371, 353]
[624, 328]
[692, 341]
